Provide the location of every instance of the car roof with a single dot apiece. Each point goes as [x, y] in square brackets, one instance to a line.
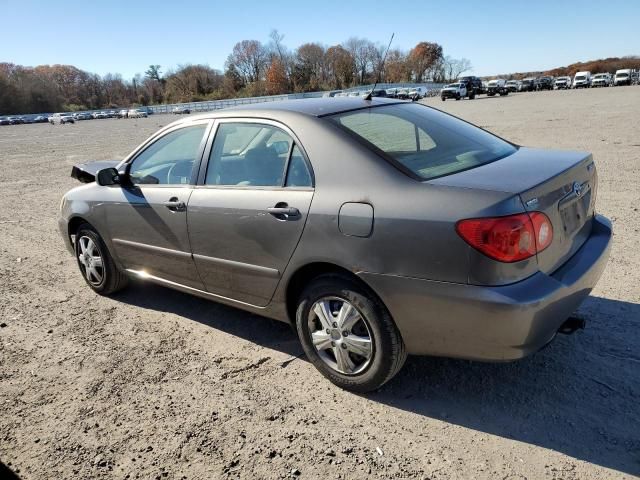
[315, 107]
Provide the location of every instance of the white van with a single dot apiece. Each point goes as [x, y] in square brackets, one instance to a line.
[582, 80]
[623, 77]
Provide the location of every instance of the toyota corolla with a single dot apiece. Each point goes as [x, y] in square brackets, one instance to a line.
[377, 228]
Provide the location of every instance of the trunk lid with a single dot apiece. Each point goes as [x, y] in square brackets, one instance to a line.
[561, 184]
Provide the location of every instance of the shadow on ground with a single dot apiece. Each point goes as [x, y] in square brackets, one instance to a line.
[6, 473]
[580, 396]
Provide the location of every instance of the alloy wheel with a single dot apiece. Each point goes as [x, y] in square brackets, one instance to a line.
[90, 259]
[341, 336]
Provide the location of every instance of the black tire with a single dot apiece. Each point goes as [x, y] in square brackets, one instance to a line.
[458, 97]
[113, 279]
[443, 99]
[388, 350]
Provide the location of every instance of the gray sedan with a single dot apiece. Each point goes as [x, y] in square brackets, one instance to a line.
[376, 227]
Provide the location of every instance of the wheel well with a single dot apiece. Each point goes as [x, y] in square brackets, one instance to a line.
[74, 223]
[304, 275]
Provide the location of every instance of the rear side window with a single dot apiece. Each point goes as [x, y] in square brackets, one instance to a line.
[423, 141]
[256, 155]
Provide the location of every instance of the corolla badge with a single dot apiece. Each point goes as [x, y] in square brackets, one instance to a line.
[577, 188]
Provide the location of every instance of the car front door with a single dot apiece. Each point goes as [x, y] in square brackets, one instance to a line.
[147, 216]
[249, 209]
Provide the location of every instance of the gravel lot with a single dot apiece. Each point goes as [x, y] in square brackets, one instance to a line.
[156, 384]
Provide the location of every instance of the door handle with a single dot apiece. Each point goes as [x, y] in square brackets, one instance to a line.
[282, 211]
[175, 205]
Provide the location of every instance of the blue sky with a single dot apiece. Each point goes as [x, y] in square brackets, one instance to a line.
[126, 36]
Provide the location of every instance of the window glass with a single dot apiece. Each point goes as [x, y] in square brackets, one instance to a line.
[248, 154]
[298, 174]
[170, 159]
[426, 141]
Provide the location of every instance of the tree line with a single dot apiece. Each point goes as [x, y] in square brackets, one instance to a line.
[602, 65]
[253, 68]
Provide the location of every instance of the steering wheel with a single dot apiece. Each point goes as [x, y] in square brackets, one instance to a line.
[175, 172]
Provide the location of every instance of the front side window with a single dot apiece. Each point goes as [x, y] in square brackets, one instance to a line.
[170, 159]
[252, 154]
[425, 141]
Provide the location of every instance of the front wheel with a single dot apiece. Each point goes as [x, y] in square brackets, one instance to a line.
[95, 262]
[443, 99]
[348, 334]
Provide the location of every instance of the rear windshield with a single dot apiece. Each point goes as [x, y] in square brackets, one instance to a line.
[426, 142]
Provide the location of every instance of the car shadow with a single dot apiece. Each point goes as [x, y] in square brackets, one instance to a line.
[255, 328]
[6, 473]
[579, 396]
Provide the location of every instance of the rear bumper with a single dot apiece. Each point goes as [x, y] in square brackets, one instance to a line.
[492, 323]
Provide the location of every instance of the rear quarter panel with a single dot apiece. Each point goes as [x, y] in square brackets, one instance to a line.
[414, 222]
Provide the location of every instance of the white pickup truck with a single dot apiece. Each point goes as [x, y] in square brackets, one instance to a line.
[562, 83]
[454, 90]
[497, 86]
[61, 118]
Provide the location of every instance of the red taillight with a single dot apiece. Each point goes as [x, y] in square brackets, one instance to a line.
[508, 239]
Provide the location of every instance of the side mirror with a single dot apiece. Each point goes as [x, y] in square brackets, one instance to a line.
[108, 176]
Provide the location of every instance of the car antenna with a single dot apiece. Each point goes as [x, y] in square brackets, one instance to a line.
[368, 97]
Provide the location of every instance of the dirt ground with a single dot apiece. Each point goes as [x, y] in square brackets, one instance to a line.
[153, 383]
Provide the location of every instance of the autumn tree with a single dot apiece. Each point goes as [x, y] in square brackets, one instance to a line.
[276, 78]
[396, 67]
[423, 57]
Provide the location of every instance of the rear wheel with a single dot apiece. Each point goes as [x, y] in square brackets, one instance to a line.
[95, 262]
[348, 334]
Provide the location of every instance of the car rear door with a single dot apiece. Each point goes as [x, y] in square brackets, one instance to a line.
[147, 218]
[248, 211]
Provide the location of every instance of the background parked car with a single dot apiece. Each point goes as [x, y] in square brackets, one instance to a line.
[602, 80]
[545, 83]
[562, 83]
[137, 113]
[402, 93]
[181, 111]
[61, 118]
[4, 121]
[513, 85]
[529, 84]
[497, 86]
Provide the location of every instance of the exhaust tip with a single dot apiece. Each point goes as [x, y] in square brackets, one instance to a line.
[572, 324]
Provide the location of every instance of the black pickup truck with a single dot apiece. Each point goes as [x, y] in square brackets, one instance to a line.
[474, 86]
[545, 83]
